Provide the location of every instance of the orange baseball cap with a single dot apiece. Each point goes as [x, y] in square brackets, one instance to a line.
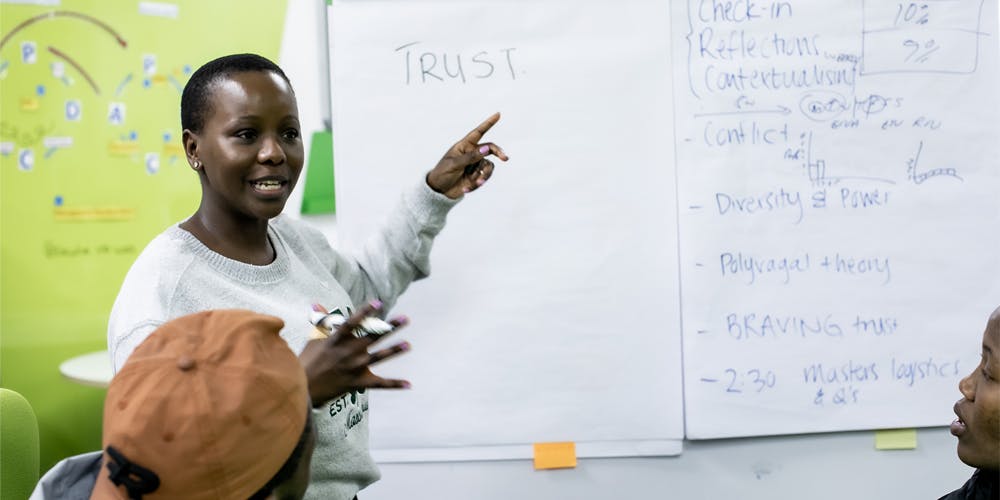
[209, 406]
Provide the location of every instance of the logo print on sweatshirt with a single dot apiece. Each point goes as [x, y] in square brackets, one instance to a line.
[350, 401]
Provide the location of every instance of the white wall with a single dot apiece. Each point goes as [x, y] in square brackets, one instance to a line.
[303, 57]
[820, 466]
[836, 466]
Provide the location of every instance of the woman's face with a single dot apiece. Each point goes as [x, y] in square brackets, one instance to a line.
[978, 423]
[250, 147]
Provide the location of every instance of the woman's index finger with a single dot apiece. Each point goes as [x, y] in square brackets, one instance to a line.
[478, 132]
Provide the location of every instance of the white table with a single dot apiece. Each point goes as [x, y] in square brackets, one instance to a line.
[93, 369]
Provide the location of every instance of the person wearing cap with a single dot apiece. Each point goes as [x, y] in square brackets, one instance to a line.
[977, 425]
[242, 138]
[213, 405]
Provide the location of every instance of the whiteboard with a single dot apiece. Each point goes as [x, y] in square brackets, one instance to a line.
[800, 194]
[838, 209]
[552, 312]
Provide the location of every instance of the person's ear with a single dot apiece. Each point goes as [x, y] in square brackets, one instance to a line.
[190, 140]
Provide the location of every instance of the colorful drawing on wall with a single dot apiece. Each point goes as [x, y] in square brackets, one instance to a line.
[91, 168]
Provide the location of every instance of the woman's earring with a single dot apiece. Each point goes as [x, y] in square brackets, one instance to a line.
[196, 165]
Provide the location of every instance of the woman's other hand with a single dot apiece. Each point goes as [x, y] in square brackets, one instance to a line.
[342, 363]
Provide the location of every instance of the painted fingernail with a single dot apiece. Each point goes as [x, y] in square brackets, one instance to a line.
[318, 308]
[466, 190]
[402, 320]
[484, 149]
[405, 346]
[480, 181]
[405, 385]
[377, 304]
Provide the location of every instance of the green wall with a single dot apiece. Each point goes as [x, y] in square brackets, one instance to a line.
[96, 109]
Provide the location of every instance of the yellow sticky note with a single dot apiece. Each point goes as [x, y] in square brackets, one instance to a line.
[30, 104]
[122, 148]
[174, 149]
[896, 439]
[555, 455]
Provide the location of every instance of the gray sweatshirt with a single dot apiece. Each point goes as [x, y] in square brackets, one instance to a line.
[176, 275]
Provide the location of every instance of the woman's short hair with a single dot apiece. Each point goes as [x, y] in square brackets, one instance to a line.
[196, 102]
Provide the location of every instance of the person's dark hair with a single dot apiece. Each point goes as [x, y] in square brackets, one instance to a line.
[195, 99]
[288, 469]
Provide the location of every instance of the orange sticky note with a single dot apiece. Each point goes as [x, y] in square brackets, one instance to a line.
[555, 455]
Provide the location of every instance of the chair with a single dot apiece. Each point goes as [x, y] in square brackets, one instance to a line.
[18, 446]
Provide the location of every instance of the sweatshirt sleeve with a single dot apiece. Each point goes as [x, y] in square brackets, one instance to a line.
[121, 347]
[145, 297]
[399, 252]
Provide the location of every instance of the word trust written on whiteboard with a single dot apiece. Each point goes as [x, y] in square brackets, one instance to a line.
[423, 65]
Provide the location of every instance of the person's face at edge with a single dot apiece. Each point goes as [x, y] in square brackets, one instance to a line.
[978, 423]
[250, 146]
